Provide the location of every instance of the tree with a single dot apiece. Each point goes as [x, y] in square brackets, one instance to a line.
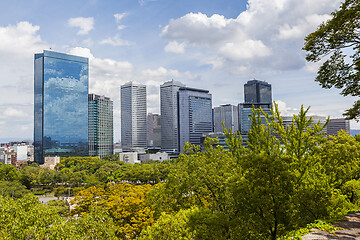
[13, 189]
[27, 218]
[329, 42]
[8, 173]
[125, 203]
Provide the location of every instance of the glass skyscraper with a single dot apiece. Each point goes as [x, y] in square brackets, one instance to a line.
[133, 115]
[60, 105]
[257, 94]
[256, 91]
[169, 115]
[100, 126]
[194, 115]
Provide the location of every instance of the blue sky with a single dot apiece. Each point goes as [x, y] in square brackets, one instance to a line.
[216, 45]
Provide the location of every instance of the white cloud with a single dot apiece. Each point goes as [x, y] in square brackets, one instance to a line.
[18, 43]
[21, 39]
[175, 47]
[12, 112]
[119, 16]
[267, 35]
[115, 41]
[248, 49]
[85, 25]
[285, 110]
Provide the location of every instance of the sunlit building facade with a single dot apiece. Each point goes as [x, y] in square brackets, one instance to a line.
[133, 115]
[60, 105]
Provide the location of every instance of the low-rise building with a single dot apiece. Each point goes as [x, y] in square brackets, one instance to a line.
[129, 157]
[50, 162]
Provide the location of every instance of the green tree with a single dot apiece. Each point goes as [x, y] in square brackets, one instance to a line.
[27, 218]
[30, 176]
[329, 42]
[8, 172]
[13, 189]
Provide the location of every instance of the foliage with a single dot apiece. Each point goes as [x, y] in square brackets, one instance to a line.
[13, 189]
[27, 218]
[170, 227]
[279, 183]
[61, 206]
[125, 203]
[340, 33]
[8, 173]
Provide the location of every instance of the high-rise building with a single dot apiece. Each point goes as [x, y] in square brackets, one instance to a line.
[257, 94]
[60, 105]
[133, 115]
[256, 91]
[337, 124]
[194, 115]
[153, 129]
[169, 115]
[227, 114]
[100, 126]
[287, 121]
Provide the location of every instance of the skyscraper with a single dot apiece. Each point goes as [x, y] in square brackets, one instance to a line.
[194, 115]
[60, 105]
[153, 122]
[100, 126]
[227, 114]
[133, 115]
[169, 115]
[257, 94]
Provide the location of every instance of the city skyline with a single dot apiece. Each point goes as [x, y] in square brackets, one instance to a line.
[218, 46]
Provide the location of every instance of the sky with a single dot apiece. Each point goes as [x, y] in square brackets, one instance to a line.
[215, 45]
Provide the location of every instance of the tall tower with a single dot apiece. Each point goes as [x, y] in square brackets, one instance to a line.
[256, 91]
[257, 94]
[100, 126]
[60, 105]
[133, 115]
[169, 115]
[194, 114]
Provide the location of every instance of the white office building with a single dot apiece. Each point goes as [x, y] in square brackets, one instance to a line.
[133, 115]
[169, 115]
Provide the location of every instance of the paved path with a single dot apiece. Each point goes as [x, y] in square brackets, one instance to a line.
[351, 230]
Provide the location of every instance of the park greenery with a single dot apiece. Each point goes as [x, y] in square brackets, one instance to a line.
[287, 180]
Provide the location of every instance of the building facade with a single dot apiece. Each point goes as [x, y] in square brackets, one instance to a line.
[194, 115]
[227, 114]
[60, 105]
[257, 94]
[153, 122]
[100, 126]
[337, 124]
[133, 115]
[256, 91]
[169, 115]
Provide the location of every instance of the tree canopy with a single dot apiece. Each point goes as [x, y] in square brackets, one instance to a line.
[337, 42]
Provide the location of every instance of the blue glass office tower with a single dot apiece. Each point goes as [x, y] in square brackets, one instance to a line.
[194, 115]
[257, 94]
[60, 105]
